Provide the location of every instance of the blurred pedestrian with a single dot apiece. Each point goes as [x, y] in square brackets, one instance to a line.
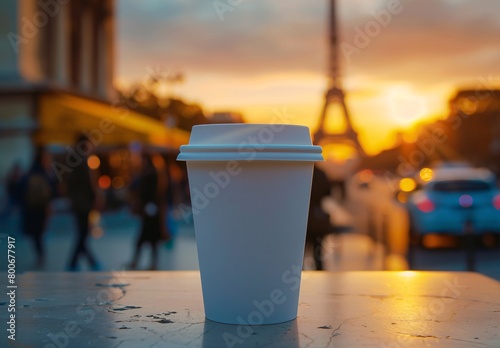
[318, 224]
[170, 197]
[36, 190]
[148, 194]
[82, 191]
[12, 185]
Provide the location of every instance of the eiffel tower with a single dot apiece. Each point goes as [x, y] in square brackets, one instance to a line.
[336, 95]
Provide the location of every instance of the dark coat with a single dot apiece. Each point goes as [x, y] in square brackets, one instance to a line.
[81, 189]
[318, 224]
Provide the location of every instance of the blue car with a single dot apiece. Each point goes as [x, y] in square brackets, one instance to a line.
[455, 199]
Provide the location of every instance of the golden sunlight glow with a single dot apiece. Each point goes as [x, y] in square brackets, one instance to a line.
[93, 162]
[377, 108]
[405, 106]
[410, 135]
[426, 174]
[407, 185]
[396, 262]
[408, 274]
[338, 152]
[335, 121]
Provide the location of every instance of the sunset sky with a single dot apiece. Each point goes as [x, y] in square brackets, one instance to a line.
[402, 59]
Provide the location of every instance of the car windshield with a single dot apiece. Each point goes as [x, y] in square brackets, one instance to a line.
[461, 186]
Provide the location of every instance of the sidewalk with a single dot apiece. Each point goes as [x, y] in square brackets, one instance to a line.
[113, 245]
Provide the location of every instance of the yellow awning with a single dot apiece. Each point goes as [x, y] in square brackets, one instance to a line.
[62, 116]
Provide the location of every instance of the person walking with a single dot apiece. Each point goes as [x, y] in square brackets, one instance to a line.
[12, 186]
[148, 191]
[318, 224]
[36, 190]
[82, 191]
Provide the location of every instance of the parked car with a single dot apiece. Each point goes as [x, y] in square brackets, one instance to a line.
[455, 198]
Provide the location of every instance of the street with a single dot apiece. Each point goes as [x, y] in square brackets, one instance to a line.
[367, 212]
[376, 213]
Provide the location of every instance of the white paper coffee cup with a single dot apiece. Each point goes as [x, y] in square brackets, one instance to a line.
[250, 189]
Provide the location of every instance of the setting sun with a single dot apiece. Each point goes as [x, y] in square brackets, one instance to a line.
[404, 105]
[400, 78]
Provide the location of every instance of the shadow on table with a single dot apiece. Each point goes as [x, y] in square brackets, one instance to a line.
[225, 335]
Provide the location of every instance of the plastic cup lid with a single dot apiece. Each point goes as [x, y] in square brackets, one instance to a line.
[240, 141]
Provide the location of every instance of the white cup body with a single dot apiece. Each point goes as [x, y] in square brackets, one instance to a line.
[250, 188]
[250, 222]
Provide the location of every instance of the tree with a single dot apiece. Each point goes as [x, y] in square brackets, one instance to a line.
[146, 99]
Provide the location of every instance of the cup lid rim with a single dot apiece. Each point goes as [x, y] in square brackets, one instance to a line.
[276, 152]
[244, 141]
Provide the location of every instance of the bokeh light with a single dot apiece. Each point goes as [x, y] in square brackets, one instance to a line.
[104, 182]
[402, 197]
[118, 182]
[426, 174]
[407, 185]
[93, 162]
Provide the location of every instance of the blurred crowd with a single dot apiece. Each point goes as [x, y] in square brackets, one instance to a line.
[152, 183]
[149, 183]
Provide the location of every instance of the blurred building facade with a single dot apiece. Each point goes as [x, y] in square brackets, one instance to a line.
[474, 124]
[56, 79]
[67, 44]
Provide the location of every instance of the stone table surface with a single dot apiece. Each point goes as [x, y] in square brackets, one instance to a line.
[165, 309]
